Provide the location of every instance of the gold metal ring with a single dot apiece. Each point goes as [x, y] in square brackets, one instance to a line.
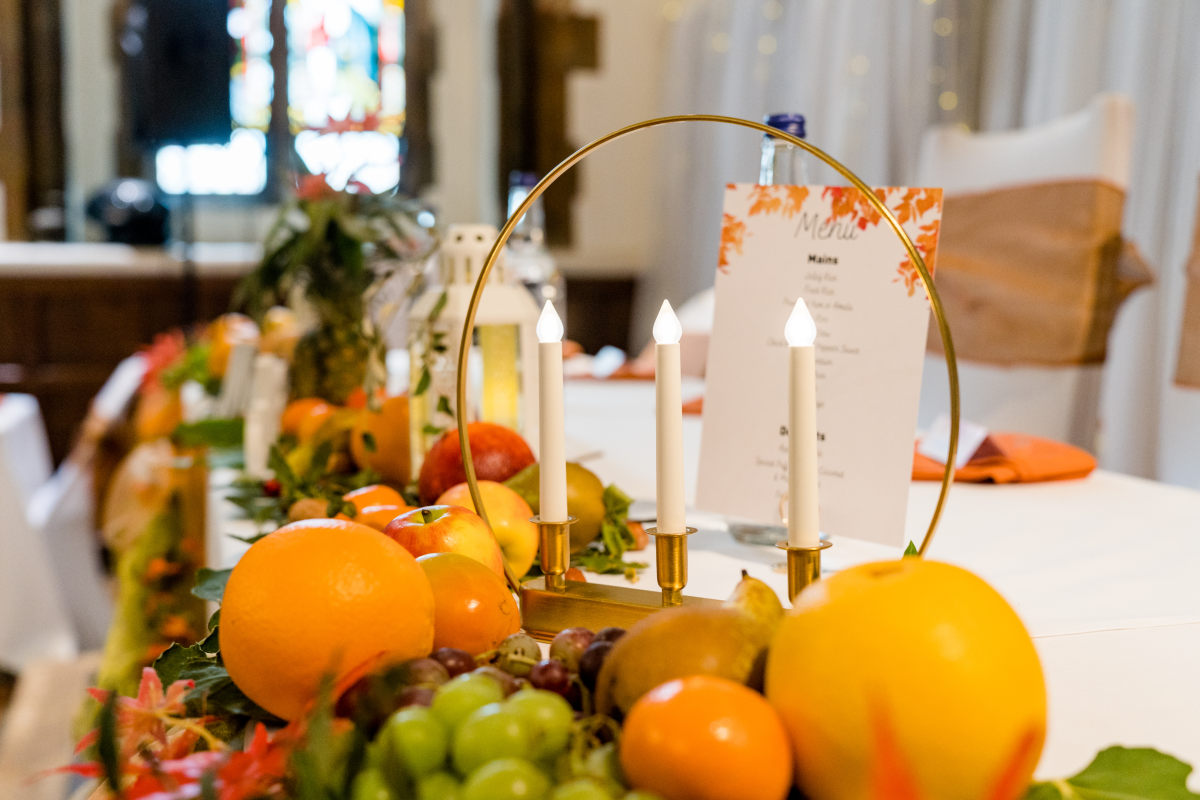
[570, 161]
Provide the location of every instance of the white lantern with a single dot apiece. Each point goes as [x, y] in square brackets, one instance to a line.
[503, 361]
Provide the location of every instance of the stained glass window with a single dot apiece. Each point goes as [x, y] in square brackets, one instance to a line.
[239, 167]
[346, 89]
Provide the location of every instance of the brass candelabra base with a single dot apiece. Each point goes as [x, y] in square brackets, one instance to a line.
[552, 603]
[803, 566]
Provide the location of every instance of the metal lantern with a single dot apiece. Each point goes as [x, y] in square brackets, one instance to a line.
[503, 354]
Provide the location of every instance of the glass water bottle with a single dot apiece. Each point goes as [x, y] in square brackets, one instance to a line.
[783, 163]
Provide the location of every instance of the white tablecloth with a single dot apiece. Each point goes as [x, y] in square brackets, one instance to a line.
[1102, 570]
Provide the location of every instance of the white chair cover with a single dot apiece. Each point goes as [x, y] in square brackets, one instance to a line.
[34, 622]
[1058, 402]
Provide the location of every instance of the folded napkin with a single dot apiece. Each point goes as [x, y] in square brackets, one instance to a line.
[1013, 458]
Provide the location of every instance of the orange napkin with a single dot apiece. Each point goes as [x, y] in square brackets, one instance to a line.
[694, 406]
[1013, 458]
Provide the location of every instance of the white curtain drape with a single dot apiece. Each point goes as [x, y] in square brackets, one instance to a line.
[872, 75]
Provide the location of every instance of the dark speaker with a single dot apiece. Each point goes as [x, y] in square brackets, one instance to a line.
[178, 61]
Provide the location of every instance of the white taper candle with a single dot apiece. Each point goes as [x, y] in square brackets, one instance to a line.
[668, 422]
[804, 522]
[552, 469]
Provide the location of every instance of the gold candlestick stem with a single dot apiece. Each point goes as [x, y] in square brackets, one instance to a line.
[555, 550]
[670, 551]
[803, 566]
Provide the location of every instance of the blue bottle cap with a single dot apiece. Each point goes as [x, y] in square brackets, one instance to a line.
[788, 123]
[521, 178]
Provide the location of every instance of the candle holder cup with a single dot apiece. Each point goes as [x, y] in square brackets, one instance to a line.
[552, 603]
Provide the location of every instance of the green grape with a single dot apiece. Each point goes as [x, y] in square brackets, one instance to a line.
[581, 789]
[549, 717]
[416, 739]
[371, 785]
[604, 765]
[507, 779]
[489, 733]
[642, 794]
[438, 786]
[455, 700]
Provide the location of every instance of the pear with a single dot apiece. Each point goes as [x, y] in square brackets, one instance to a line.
[724, 641]
[760, 604]
[585, 499]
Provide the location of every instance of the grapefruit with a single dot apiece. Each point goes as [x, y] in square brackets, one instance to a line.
[317, 598]
[908, 679]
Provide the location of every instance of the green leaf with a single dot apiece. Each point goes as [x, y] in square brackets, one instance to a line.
[423, 382]
[438, 306]
[277, 463]
[108, 747]
[320, 460]
[214, 620]
[210, 583]
[339, 506]
[443, 405]
[210, 433]
[911, 550]
[432, 430]
[1122, 773]
[616, 503]
[172, 661]
[369, 444]
[604, 563]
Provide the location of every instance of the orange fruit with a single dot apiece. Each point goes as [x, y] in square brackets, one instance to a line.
[316, 598]
[706, 738]
[378, 517]
[509, 516]
[374, 495]
[387, 428]
[908, 678]
[295, 413]
[472, 607]
[159, 411]
[224, 333]
[312, 421]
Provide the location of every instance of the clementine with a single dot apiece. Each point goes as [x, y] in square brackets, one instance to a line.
[379, 516]
[295, 413]
[706, 738]
[379, 441]
[320, 597]
[908, 678]
[374, 495]
[472, 607]
[312, 421]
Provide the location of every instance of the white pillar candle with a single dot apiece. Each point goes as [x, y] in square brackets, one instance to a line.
[668, 422]
[804, 524]
[552, 470]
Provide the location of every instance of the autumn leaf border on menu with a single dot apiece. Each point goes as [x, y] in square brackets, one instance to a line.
[909, 205]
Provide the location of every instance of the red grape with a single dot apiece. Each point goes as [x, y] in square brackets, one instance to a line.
[551, 675]
[455, 661]
[569, 645]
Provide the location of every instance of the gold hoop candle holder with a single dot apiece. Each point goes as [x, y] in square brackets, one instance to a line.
[546, 609]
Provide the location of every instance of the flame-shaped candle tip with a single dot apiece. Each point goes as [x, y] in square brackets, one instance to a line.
[800, 330]
[549, 326]
[667, 329]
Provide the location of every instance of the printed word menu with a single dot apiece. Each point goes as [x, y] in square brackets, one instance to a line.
[830, 246]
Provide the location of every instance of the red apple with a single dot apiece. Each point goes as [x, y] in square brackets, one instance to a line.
[509, 514]
[447, 529]
[497, 452]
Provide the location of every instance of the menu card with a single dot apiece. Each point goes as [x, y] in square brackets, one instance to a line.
[828, 245]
